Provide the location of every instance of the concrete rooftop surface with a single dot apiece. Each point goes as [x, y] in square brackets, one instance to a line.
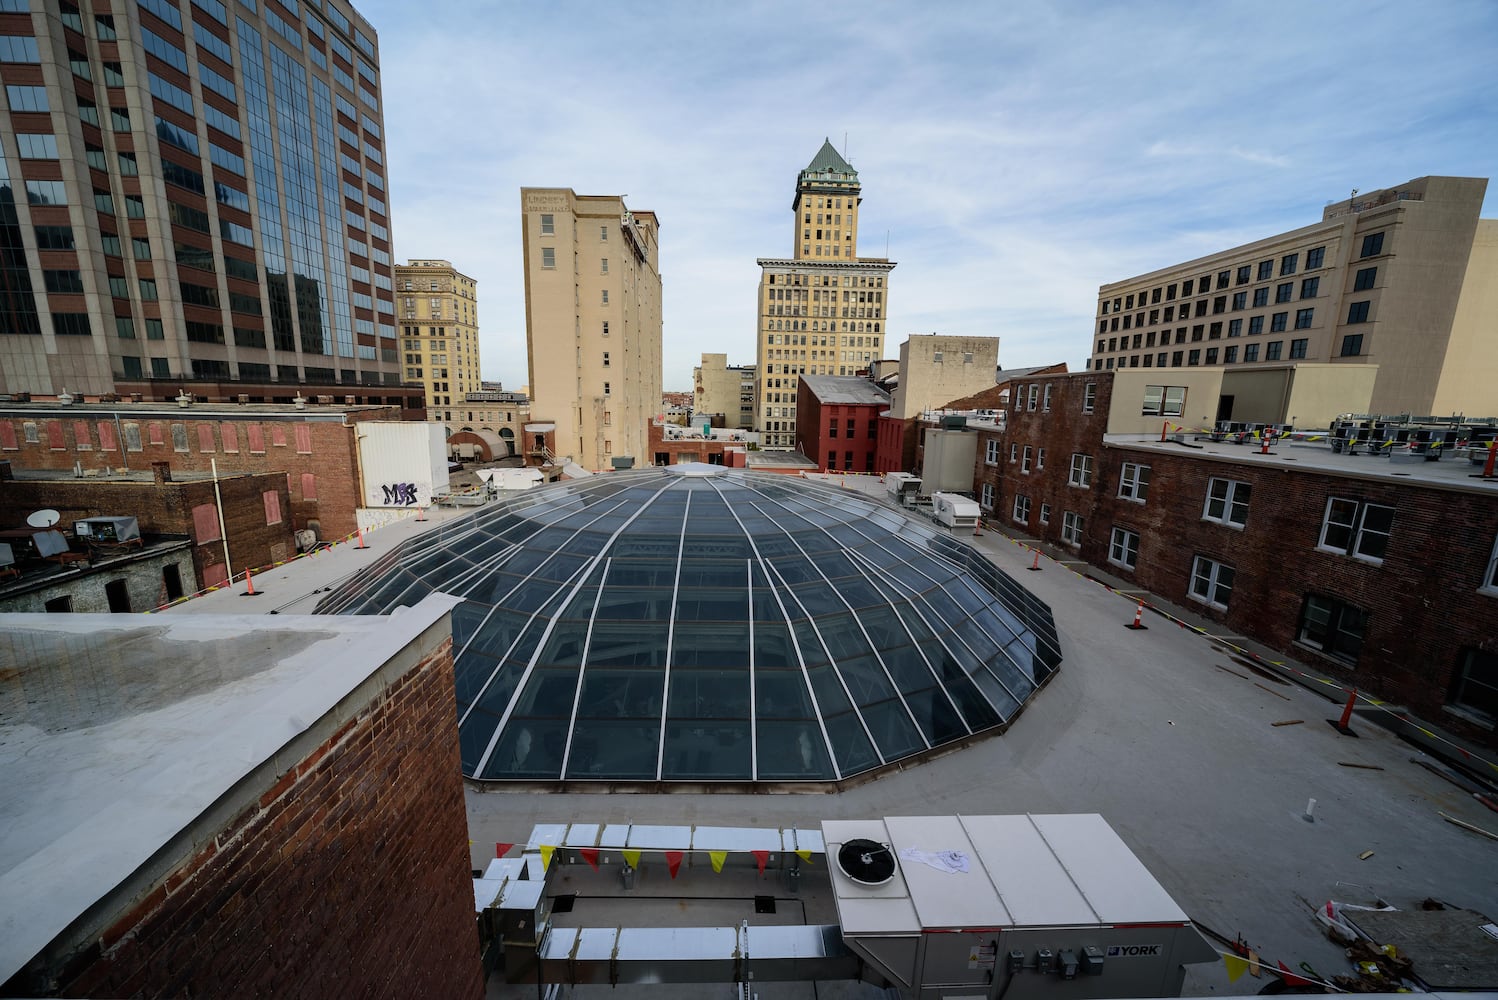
[117, 732]
[1167, 733]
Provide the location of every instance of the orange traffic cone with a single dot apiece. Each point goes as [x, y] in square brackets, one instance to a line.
[1035, 566]
[1343, 725]
[249, 586]
[361, 544]
[1138, 623]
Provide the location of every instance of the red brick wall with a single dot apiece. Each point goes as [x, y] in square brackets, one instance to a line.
[814, 434]
[168, 509]
[332, 459]
[1062, 431]
[349, 877]
[1423, 603]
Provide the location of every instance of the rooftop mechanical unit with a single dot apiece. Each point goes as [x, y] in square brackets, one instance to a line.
[108, 530]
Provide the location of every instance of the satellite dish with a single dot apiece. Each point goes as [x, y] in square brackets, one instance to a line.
[866, 862]
[43, 518]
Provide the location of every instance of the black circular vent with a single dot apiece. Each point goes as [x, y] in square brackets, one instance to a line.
[866, 861]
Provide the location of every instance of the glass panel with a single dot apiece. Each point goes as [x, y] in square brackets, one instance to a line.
[893, 731]
[629, 644]
[529, 748]
[792, 750]
[712, 645]
[781, 694]
[850, 745]
[865, 679]
[614, 750]
[713, 751]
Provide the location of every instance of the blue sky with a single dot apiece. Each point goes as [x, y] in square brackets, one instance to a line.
[1016, 155]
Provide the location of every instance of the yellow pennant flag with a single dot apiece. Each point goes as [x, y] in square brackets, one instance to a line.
[1236, 967]
[718, 858]
[546, 852]
[632, 858]
[804, 856]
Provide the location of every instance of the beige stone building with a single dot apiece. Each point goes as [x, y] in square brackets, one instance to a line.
[592, 325]
[934, 370]
[719, 387]
[1404, 278]
[439, 315]
[503, 413]
[823, 310]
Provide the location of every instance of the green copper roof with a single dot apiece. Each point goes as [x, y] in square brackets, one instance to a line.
[827, 160]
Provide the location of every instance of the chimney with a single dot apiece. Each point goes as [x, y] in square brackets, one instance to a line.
[161, 472]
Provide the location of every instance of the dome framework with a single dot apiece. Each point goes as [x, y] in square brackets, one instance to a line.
[696, 624]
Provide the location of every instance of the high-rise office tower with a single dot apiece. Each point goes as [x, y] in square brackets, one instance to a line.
[823, 310]
[592, 323]
[438, 309]
[194, 197]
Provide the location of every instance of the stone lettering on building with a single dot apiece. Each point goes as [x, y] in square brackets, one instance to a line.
[546, 203]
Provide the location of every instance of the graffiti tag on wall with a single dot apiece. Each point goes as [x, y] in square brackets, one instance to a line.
[399, 494]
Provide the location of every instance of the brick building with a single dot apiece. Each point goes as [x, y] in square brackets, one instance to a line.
[324, 856]
[837, 421]
[315, 448]
[256, 510]
[1378, 570]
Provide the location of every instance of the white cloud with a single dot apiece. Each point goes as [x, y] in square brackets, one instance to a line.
[1017, 156]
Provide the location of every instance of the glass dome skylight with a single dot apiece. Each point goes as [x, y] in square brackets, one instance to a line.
[694, 624]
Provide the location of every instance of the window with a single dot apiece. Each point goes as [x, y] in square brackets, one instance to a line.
[1081, 471]
[548, 257]
[1211, 355]
[1261, 296]
[1255, 325]
[1333, 627]
[1021, 512]
[1164, 400]
[1123, 548]
[603, 234]
[1014, 453]
[1045, 513]
[1352, 345]
[1089, 397]
[1240, 301]
[1046, 400]
[1365, 279]
[548, 225]
[1266, 270]
[603, 265]
[1489, 584]
[1235, 329]
[1309, 287]
[606, 389]
[1474, 687]
[1284, 292]
[1211, 582]
[605, 296]
[991, 452]
[1354, 528]
[37, 145]
[1245, 273]
[1373, 245]
[1227, 502]
[1040, 459]
[1071, 528]
[1034, 397]
[1272, 350]
[1250, 353]
[1134, 482]
[1298, 348]
[985, 496]
[1357, 312]
[1277, 322]
[1303, 318]
[605, 328]
[1288, 263]
[1026, 461]
[1315, 257]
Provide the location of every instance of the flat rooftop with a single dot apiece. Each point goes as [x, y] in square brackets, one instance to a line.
[118, 732]
[845, 390]
[1168, 733]
[1312, 451]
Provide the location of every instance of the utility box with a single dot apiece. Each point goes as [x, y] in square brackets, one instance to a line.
[954, 510]
[1076, 912]
[107, 530]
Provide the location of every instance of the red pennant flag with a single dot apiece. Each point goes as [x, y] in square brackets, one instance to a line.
[1291, 979]
[500, 850]
[673, 862]
[760, 858]
[590, 855]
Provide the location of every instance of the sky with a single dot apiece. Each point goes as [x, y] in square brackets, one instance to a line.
[1013, 156]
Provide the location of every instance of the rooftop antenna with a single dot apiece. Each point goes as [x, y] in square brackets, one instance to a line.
[886, 244]
[845, 145]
